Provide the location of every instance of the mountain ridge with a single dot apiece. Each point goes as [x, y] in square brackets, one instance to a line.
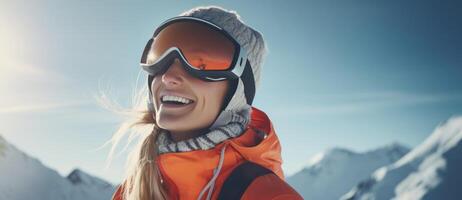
[25, 177]
[424, 173]
[335, 170]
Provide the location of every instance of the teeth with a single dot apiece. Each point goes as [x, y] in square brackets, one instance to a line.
[175, 98]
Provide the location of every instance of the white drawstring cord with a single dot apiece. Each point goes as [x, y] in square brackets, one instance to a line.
[211, 184]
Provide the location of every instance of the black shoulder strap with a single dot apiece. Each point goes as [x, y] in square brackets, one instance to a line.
[238, 181]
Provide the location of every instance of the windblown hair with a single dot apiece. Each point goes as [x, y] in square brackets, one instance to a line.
[142, 179]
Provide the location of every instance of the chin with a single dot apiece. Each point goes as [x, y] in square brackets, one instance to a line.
[170, 125]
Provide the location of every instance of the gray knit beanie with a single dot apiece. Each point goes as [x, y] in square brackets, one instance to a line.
[250, 39]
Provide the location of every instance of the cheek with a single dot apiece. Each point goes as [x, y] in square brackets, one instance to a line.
[154, 87]
[223, 88]
[155, 82]
[215, 93]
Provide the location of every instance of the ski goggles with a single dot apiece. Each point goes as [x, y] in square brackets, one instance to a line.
[205, 50]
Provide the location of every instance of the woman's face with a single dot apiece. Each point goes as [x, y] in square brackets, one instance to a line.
[185, 121]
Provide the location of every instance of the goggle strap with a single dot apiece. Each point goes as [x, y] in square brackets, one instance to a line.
[249, 83]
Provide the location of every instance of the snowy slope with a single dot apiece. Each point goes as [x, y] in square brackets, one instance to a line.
[25, 178]
[331, 174]
[433, 170]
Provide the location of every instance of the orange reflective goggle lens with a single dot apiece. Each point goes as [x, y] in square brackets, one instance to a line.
[202, 46]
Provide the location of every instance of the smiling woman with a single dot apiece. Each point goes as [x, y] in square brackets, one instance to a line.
[204, 99]
[204, 140]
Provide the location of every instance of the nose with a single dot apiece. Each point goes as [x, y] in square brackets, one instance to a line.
[175, 74]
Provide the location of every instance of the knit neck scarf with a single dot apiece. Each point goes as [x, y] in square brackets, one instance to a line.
[229, 124]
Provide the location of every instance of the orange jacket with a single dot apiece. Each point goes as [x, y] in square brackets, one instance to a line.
[186, 174]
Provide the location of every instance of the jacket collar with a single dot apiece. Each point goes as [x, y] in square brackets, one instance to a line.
[185, 174]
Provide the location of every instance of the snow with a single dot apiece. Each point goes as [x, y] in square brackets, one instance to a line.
[332, 173]
[24, 178]
[430, 171]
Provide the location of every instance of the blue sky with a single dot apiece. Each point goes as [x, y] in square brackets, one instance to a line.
[355, 74]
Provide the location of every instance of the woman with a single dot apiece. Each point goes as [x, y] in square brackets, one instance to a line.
[205, 141]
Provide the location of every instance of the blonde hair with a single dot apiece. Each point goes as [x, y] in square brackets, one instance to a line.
[142, 179]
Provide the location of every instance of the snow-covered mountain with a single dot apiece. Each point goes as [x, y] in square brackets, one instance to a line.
[432, 170]
[331, 174]
[25, 178]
